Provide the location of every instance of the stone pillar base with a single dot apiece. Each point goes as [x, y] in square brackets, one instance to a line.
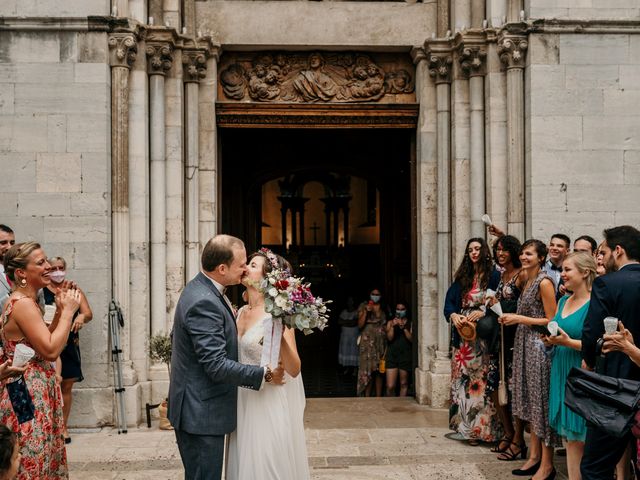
[433, 386]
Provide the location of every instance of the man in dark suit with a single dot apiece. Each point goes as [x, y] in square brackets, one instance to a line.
[616, 294]
[204, 361]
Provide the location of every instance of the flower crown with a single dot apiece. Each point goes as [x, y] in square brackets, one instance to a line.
[273, 260]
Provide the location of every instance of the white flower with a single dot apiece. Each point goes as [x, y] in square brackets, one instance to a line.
[281, 301]
[273, 292]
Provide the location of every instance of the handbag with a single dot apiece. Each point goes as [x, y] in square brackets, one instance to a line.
[608, 403]
[382, 365]
[21, 400]
[487, 329]
[503, 394]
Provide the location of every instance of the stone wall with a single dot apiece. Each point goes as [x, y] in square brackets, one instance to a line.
[59, 8]
[583, 9]
[583, 132]
[55, 181]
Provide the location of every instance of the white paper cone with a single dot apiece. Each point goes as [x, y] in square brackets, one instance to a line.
[497, 309]
[22, 355]
[271, 342]
[49, 313]
[553, 328]
[610, 325]
[486, 219]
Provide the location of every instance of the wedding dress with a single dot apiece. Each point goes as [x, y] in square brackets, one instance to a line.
[269, 442]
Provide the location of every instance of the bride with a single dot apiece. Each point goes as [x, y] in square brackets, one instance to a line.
[269, 442]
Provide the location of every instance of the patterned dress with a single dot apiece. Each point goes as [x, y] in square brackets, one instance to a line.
[372, 343]
[41, 440]
[507, 294]
[532, 368]
[472, 413]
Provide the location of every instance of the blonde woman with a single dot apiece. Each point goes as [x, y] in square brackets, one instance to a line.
[578, 274]
[41, 441]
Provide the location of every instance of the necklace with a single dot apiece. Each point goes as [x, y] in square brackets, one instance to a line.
[259, 304]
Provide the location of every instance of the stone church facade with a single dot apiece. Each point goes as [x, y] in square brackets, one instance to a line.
[109, 118]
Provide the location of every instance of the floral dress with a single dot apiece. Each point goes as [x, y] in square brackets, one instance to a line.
[472, 413]
[372, 343]
[41, 440]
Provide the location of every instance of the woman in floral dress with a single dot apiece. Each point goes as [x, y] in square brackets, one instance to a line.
[41, 439]
[472, 413]
[531, 363]
[371, 320]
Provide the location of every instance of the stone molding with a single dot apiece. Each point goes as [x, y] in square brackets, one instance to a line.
[471, 50]
[418, 54]
[160, 46]
[123, 48]
[512, 49]
[194, 64]
[440, 57]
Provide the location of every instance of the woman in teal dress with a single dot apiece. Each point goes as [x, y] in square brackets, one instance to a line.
[578, 273]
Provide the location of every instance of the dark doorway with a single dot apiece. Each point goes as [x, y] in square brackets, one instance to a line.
[338, 205]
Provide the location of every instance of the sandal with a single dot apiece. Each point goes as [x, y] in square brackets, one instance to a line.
[509, 455]
[506, 441]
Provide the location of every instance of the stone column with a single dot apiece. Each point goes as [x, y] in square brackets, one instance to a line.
[194, 64]
[433, 164]
[512, 48]
[471, 55]
[208, 142]
[123, 49]
[159, 57]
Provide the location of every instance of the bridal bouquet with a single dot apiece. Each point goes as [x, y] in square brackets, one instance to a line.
[290, 299]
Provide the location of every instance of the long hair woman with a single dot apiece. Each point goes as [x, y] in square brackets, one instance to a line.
[471, 414]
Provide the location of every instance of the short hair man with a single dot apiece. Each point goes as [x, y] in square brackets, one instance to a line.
[7, 240]
[559, 246]
[616, 294]
[585, 244]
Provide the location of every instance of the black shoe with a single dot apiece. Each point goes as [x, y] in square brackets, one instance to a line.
[551, 476]
[528, 471]
[67, 440]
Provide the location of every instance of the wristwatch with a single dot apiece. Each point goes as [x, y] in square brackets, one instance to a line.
[268, 376]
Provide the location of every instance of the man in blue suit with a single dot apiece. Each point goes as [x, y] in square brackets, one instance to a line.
[616, 294]
[204, 361]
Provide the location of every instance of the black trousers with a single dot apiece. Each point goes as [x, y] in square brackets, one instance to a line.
[202, 455]
[602, 452]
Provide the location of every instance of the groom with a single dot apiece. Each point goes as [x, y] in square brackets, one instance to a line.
[204, 361]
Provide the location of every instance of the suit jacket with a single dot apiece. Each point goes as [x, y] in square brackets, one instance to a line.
[204, 362]
[5, 289]
[616, 294]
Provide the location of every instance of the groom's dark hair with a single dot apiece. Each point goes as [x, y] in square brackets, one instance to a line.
[218, 251]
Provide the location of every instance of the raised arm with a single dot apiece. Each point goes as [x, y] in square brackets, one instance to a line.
[205, 326]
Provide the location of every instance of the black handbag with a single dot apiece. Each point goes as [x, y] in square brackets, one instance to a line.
[487, 329]
[21, 400]
[608, 403]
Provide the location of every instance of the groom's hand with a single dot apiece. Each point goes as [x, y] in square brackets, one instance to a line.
[278, 375]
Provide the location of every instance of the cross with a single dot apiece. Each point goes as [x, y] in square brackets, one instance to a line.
[315, 229]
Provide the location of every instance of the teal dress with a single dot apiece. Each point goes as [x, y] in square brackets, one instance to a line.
[565, 422]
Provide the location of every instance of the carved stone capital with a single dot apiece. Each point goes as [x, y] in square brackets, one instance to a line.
[194, 64]
[123, 49]
[440, 58]
[512, 49]
[471, 48]
[159, 58]
[418, 54]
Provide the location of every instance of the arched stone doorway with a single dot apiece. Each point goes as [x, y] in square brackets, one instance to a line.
[338, 203]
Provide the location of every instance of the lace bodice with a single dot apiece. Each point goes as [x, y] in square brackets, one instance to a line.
[249, 345]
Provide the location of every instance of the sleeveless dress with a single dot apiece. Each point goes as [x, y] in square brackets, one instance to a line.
[70, 356]
[532, 368]
[565, 422]
[269, 441]
[472, 413]
[41, 441]
[372, 342]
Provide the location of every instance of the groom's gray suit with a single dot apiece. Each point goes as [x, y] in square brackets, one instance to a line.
[5, 289]
[204, 375]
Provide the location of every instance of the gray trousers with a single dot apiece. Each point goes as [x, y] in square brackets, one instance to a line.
[202, 455]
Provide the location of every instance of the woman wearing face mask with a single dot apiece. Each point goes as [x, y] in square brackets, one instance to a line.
[371, 320]
[398, 361]
[69, 364]
[471, 414]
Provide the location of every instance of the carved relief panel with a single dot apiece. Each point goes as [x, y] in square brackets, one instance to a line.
[316, 77]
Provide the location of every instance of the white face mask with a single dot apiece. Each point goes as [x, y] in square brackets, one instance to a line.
[58, 276]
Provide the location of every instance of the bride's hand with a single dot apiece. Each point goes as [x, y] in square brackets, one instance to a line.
[278, 375]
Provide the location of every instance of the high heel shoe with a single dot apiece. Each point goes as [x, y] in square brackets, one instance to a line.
[509, 455]
[551, 476]
[527, 471]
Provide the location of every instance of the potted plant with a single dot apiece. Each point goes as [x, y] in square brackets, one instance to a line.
[160, 352]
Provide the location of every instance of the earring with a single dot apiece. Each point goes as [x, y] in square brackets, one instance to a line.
[23, 282]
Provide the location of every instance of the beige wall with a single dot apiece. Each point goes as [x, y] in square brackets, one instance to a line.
[584, 132]
[583, 9]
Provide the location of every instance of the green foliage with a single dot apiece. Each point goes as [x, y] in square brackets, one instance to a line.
[160, 348]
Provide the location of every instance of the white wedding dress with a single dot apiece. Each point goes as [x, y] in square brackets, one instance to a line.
[269, 442]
